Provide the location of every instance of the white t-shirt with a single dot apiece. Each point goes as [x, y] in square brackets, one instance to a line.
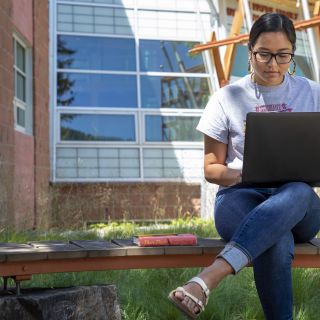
[225, 114]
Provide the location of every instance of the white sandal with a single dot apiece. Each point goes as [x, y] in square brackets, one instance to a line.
[200, 304]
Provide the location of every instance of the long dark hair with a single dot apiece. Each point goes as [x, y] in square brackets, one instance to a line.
[272, 22]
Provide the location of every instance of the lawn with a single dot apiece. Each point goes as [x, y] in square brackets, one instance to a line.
[143, 293]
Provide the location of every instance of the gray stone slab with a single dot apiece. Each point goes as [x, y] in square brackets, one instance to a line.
[47, 244]
[59, 249]
[194, 250]
[94, 244]
[305, 248]
[316, 243]
[100, 248]
[124, 242]
[85, 302]
[68, 254]
[19, 252]
[145, 251]
[212, 246]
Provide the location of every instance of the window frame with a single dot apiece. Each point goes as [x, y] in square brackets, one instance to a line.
[26, 105]
[95, 112]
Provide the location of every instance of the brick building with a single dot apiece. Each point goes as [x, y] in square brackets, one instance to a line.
[24, 115]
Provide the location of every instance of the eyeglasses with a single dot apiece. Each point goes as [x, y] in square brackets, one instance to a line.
[281, 57]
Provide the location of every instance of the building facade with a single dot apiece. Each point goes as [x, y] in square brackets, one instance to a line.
[127, 96]
[99, 103]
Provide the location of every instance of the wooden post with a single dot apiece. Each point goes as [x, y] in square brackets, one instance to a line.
[316, 12]
[231, 48]
[217, 62]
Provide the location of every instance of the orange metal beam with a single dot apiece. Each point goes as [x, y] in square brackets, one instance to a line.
[25, 269]
[231, 48]
[242, 38]
[218, 64]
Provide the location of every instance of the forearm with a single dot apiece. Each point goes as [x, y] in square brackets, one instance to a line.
[222, 175]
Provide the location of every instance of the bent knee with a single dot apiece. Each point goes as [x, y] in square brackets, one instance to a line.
[300, 189]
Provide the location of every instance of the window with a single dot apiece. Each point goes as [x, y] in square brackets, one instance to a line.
[172, 128]
[96, 90]
[22, 86]
[96, 53]
[128, 94]
[174, 92]
[96, 127]
[169, 56]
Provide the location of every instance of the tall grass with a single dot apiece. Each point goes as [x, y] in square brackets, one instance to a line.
[143, 293]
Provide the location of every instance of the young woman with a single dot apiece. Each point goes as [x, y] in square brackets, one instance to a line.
[259, 224]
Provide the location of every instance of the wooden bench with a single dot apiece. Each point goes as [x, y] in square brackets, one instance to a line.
[21, 261]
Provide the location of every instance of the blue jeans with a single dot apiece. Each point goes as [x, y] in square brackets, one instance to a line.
[263, 224]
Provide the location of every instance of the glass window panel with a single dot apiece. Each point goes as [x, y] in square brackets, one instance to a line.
[21, 57]
[96, 127]
[21, 86]
[240, 65]
[95, 19]
[117, 2]
[96, 90]
[174, 92]
[96, 53]
[304, 68]
[169, 56]
[173, 24]
[21, 117]
[171, 128]
[186, 5]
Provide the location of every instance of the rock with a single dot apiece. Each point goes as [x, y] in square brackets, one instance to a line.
[97, 302]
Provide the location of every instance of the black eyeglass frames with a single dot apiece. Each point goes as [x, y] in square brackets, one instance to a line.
[281, 57]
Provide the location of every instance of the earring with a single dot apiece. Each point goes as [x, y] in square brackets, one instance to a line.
[293, 72]
[249, 67]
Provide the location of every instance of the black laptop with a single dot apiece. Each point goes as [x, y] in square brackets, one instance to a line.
[281, 147]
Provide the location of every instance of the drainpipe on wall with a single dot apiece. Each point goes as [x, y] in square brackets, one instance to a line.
[311, 38]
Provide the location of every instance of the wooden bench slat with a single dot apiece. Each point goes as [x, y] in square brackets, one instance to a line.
[195, 250]
[305, 248]
[100, 248]
[94, 244]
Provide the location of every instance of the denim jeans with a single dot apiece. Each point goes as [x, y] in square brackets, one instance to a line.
[262, 225]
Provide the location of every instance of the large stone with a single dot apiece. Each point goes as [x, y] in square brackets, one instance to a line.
[98, 302]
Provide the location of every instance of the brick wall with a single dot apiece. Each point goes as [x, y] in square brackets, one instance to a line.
[23, 178]
[6, 115]
[24, 159]
[74, 204]
[41, 111]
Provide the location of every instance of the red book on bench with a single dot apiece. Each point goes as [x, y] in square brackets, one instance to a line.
[184, 239]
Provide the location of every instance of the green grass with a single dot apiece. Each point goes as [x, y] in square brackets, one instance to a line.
[143, 293]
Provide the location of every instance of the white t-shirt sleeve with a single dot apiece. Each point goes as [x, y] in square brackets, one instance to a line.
[214, 122]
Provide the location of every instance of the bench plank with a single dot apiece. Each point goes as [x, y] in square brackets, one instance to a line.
[99, 248]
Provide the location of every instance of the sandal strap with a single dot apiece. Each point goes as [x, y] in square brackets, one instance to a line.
[197, 301]
[203, 286]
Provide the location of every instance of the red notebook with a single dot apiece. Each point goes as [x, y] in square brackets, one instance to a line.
[155, 240]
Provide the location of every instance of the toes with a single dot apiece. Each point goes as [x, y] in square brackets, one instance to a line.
[191, 305]
[179, 295]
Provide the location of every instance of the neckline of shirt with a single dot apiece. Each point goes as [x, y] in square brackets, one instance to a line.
[267, 89]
